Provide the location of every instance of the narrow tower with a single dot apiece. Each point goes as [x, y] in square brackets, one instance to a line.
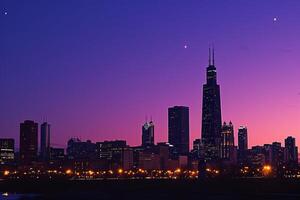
[211, 112]
[45, 141]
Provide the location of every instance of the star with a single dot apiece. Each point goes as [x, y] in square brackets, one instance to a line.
[185, 46]
[5, 13]
[275, 19]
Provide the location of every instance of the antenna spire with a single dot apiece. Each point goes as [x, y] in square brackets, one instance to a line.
[209, 56]
[213, 56]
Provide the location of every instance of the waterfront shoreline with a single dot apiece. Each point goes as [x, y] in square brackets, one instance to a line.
[168, 188]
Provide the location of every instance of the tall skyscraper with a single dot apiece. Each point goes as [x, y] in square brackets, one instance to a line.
[291, 151]
[242, 144]
[211, 113]
[148, 134]
[243, 138]
[227, 142]
[45, 141]
[28, 142]
[178, 124]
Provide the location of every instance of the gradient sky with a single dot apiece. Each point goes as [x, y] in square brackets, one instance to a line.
[95, 69]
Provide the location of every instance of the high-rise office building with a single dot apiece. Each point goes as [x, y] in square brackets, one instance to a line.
[211, 113]
[291, 151]
[28, 142]
[178, 124]
[148, 134]
[45, 141]
[243, 138]
[277, 155]
[7, 150]
[242, 144]
[227, 141]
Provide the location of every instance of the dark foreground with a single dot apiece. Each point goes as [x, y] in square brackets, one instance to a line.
[270, 189]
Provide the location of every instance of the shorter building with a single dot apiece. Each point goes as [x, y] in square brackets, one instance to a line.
[7, 150]
[149, 161]
[183, 162]
[115, 154]
[148, 134]
[277, 151]
[57, 154]
[78, 150]
[198, 149]
[290, 152]
[227, 142]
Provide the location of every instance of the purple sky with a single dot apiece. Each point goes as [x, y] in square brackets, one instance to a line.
[95, 69]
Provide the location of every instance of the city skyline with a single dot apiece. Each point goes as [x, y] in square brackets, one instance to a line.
[84, 92]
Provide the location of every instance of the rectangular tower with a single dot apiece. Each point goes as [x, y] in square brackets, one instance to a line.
[28, 142]
[242, 144]
[227, 142]
[178, 124]
[45, 141]
[148, 134]
[291, 152]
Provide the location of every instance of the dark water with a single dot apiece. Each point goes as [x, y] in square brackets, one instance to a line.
[153, 190]
[148, 196]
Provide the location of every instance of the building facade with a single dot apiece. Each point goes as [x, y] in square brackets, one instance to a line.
[227, 141]
[211, 113]
[45, 141]
[148, 134]
[242, 144]
[291, 152]
[7, 150]
[178, 129]
[28, 142]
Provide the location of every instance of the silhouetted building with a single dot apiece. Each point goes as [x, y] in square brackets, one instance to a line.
[256, 157]
[211, 113]
[164, 150]
[7, 150]
[78, 150]
[268, 153]
[148, 134]
[127, 158]
[277, 155]
[227, 141]
[45, 141]
[242, 144]
[178, 124]
[116, 154]
[149, 160]
[57, 154]
[198, 149]
[291, 152]
[106, 149]
[28, 142]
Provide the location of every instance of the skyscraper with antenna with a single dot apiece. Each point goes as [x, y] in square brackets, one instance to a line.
[211, 112]
[148, 134]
